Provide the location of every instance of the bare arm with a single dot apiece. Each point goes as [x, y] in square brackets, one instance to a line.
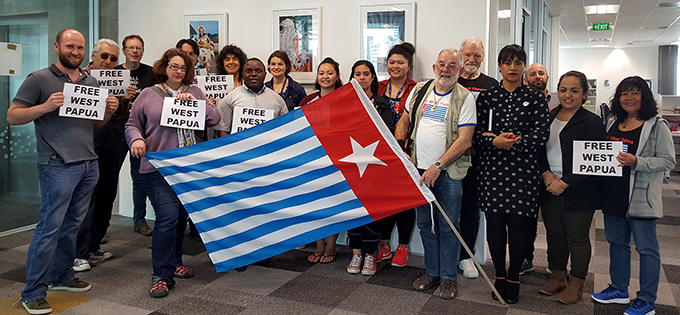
[401, 131]
[19, 114]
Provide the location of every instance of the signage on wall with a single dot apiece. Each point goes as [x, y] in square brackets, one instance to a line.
[600, 26]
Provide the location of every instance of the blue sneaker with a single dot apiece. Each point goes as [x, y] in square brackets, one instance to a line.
[611, 295]
[640, 307]
[527, 266]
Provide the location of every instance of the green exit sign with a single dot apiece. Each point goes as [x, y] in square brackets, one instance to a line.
[600, 26]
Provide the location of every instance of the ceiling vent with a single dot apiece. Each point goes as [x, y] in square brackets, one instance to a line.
[669, 5]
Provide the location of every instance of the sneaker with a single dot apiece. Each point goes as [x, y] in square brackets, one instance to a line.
[640, 307]
[611, 295]
[469, 269]
[81, 265]
[400, 256]
[184, 272]
[74, 285]
[39, 306]
[159, 289]
[548, 270]
[100, 255]
[384, 252]
[369, 265]
[143, 229]
[527, 266]
[354, 264]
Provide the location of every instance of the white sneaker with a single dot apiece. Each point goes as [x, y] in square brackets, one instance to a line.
[80, 265]
[469, 269]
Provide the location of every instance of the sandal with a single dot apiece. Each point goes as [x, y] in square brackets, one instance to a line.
[425, 282]
[314, 258]
[448, 289]
[327, 256]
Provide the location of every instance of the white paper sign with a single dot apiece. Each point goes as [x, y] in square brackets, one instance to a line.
[246, 117]
[597, 158]
[201, 72]
[188, 114]
[216, 86]
[81, 101]
[115, 80]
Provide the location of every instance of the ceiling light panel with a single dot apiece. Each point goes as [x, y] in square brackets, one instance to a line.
[602, 9]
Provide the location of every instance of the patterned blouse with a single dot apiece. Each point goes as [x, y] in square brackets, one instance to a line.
[509, 180]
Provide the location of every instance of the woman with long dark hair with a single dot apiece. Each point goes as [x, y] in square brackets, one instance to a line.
[631, 204]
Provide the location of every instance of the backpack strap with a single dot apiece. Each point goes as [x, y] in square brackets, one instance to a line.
[419, 98]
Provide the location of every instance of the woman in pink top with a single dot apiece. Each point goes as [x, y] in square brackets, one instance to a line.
[145, 134]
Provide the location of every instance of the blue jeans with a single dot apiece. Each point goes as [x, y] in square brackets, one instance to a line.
[618, 231]
[442, 249]
[138, 194]
[65, 190]
[168, 231]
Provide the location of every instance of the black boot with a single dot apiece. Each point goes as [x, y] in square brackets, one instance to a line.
[500, 287]
[511, 292]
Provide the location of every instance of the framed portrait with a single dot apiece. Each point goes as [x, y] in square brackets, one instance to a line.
[298, 33]
[382, 27]
[209, 31]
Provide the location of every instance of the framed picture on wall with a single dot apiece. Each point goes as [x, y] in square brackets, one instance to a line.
[383, 26]
[297, 32]
[209, 31]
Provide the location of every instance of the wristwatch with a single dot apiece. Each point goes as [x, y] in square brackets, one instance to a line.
[438, 165]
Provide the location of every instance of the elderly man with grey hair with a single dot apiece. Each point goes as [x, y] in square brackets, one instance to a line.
[438, 123]
[110, 147]
[472, 49]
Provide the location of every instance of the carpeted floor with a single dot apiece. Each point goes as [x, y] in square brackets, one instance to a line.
[294, 286]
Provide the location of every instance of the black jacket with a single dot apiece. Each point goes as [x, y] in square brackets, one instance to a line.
[583, 191]
[382, 105]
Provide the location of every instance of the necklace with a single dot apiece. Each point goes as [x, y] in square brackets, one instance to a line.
[436, 101]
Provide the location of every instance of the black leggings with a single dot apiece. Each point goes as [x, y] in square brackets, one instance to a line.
[365, 237]
[502, 228]
[405, 221]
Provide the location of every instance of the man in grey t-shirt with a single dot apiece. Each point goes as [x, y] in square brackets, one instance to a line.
[67, 166]
[253, 94]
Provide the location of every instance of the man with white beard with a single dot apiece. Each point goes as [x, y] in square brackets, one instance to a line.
[472, 49]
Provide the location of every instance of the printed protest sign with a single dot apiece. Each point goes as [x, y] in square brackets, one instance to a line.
[246, 117]
[216, 86]
[115, 80]
[597, 158]
[81, 101]
[189, 114]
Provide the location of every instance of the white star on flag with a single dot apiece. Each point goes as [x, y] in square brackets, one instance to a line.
[362, 156]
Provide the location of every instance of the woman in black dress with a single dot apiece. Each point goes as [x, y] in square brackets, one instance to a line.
[512, 128]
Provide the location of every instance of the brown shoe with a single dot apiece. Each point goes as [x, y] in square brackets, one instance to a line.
[143, 228]
[557, 283]
[573, 292]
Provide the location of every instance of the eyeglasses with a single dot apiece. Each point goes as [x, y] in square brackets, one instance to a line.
[108, 56]
[251, 71]
[452, 66]
[177, 68]
[134, 48]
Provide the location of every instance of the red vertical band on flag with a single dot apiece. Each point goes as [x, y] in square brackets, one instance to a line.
[382, 189]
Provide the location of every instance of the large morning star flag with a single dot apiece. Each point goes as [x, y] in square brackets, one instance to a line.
[328, 167]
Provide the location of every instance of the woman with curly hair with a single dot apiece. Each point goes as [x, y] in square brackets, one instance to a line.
[230, 61]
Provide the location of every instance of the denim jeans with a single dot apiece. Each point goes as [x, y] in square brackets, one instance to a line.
[618, 231]
[442, 248]
[65, 190]
[138, 193]
[168, 231]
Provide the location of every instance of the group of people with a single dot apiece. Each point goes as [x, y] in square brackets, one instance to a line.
[479, 144]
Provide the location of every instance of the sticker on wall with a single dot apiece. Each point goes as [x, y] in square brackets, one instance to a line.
[606, 84]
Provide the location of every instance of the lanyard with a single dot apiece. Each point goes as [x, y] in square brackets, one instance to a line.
[393, 103]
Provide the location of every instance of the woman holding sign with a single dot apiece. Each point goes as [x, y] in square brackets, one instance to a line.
[146, 132]
[512, 128]
[568, 201]
[632, 203]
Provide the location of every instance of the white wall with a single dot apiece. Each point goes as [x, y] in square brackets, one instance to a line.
[439, 24]
[611, 64]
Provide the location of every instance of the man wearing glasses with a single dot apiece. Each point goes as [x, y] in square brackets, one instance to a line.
[472, 79]
[438, 122]
[252, 94]
[141, 77]
[110, 147]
